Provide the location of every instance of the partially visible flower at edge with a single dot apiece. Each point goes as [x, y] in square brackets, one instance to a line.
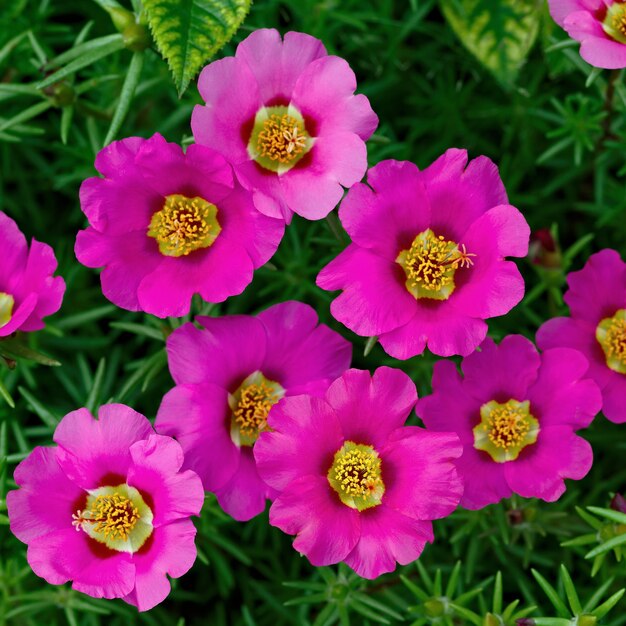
[28, 289]
[600, 26]
[597, 326]
[107, 507]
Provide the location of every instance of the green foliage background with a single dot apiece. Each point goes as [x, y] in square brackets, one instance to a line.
[556, 129]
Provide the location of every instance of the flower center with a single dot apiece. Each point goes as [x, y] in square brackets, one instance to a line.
[279, 138]
[184, 225]
[430, 265]
[505, 429]
[611, 335]
[614, 23]
[6, 308]
[117, 517]
[356, 476]
[250, 406]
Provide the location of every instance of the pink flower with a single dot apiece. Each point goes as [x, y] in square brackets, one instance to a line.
[355, 484]
[597, 327]
[516, 413]
[600, 26]
[426, 264]
[28, 289]
[285, 116]
[108, 507]
[229, 375]
[167, 224]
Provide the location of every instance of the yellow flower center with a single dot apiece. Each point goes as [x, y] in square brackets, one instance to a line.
[6, 308]
[117, 517]
[250, 406]
[505, 429]
[430, 265]
[614, 23]
[611, 335]
[356, 476]
[279, 138]
[282, 139]
[184, 225]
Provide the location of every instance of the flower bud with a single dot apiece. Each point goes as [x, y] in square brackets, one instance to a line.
[618, 503]
[544, 250]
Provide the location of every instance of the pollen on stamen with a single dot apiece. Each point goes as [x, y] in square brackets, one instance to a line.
[430, 265]
[611, 335]
[356, 476]
[282, 139]
[184, 225]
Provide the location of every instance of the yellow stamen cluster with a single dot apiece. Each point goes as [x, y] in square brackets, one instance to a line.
[618, 20]
[357, 472]
[431, 263]
[282, 138]
[507, 426]
[184, 225]
[611, 334]
[251, 411]
[113, 516]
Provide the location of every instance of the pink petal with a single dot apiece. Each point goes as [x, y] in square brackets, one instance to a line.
[277, 64]
[118, 157]
[232, 98]
[387, 537]
[387, 218]
[14, 251]
[314, 190]
[539, 472]
[613, 396]
[198, 416]
[420, 476]
[324, 91]
[450, 408]
[559, 396]
[90, 450]
[599, 289]
[301, 351]
[446, 330]
[172, 552]
[560, 9]
[374, 299]
[237, 344]
[459, 196]
[501, 372]
[47, 498]
[155, 471]
[65, 555]
[368, 407]
[600, 51]
[484, 479]
[304, 437]
[200, 171]
[327, 530]
[244, 495]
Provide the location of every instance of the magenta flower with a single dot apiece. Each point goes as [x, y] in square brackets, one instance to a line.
[285, 116]
[600, 26]
[516, 413]
[167, 224]
[221, 402]
[28, 289]
[355, 484]
[426, 265]
[597, 327]
[108, 508]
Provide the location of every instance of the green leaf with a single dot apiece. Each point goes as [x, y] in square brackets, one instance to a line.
[499, 33]
[189, 32]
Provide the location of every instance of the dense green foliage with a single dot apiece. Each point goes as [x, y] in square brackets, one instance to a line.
[556, 129]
